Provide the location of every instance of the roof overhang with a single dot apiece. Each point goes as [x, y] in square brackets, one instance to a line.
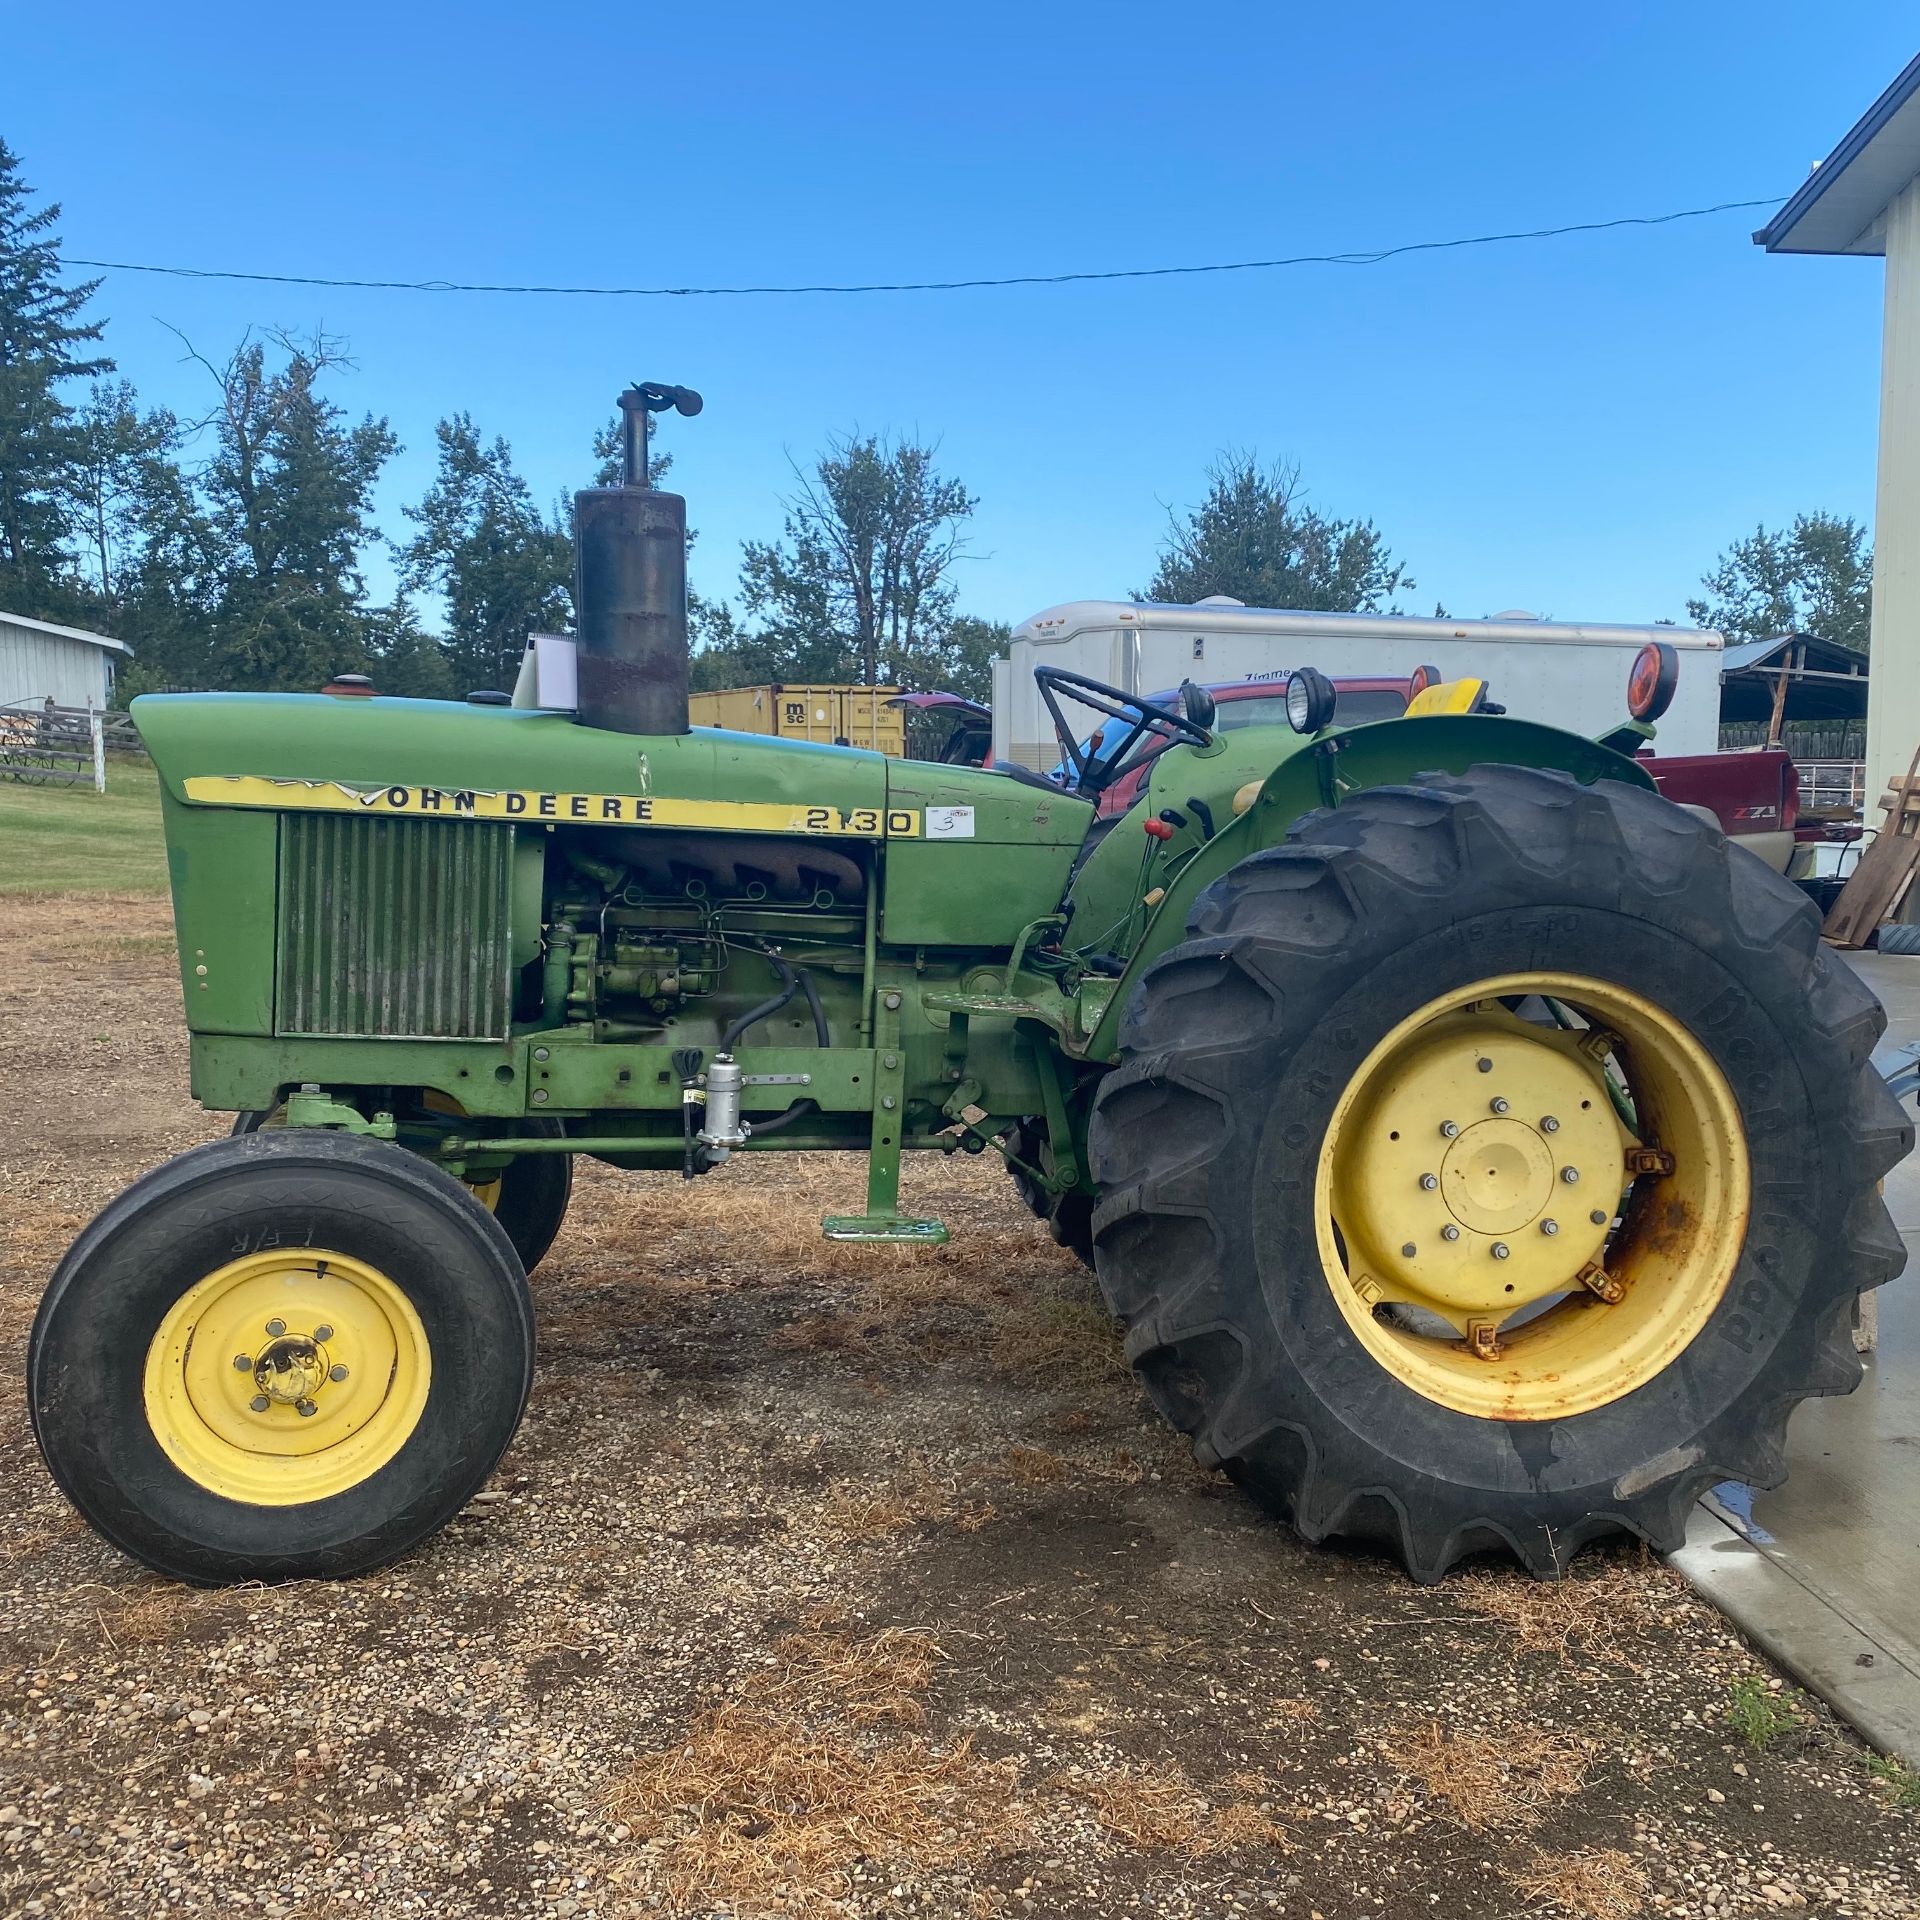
[1839, 209]
[104, 641]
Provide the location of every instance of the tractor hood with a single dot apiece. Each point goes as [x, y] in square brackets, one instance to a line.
[436, 757]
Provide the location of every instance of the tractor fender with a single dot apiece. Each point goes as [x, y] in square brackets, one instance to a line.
[1387, 753]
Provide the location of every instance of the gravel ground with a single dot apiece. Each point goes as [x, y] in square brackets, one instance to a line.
[825, 1580]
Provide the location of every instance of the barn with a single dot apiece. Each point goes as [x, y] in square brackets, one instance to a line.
[39, 661]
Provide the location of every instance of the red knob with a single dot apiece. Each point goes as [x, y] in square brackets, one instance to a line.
[1159, 829]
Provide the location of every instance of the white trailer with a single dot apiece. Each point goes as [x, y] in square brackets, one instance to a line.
[1571, 675]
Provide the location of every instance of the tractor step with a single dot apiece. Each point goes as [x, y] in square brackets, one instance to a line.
[896, 1229]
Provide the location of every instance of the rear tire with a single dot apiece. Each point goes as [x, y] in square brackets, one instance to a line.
[344, 1264]
[1069, 1216]
[1242, 1046]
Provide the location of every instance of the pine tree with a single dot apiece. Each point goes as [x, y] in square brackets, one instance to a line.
[41, 334]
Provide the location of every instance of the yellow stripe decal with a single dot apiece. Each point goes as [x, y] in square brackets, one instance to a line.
[585, 809]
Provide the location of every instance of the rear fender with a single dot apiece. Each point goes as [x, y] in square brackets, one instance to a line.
[1389, 753]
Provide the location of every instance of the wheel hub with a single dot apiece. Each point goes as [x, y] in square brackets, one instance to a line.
[1497, 1176]
[1453, 1193]
[1498, 1235]
[287, 1376]
[291, 1369]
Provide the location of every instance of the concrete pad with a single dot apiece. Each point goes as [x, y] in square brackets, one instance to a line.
[1824, 1572]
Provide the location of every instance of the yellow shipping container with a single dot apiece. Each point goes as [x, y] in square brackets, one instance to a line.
[844, 716]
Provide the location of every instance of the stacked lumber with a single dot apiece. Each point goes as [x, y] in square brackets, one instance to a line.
[1879, 883]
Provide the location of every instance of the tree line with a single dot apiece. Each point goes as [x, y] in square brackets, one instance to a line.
[229, 544]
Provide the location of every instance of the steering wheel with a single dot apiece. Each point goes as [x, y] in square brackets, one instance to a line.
[1094, 773]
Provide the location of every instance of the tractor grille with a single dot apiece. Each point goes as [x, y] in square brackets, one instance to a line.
[393, 928]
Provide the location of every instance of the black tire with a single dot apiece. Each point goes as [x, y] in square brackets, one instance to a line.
[1069, 1216]
[534, 1189]
[88, 1351]
[1238, 1044]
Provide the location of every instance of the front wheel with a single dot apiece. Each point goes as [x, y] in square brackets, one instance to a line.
[1495, 1164]
[281, 1356]
[528, 1196]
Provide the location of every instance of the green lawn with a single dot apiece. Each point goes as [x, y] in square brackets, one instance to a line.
[73, 840]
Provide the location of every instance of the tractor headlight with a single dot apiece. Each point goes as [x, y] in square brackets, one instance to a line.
[1651, 684]
[1310, 701]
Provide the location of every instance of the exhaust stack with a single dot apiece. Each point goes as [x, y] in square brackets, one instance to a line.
[630, 584]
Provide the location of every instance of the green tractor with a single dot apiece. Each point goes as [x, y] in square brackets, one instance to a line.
[1478, 1152]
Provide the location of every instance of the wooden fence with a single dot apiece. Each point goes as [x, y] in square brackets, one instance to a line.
[48, 746]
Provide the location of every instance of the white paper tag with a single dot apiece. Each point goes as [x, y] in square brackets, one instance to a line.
[949, 823]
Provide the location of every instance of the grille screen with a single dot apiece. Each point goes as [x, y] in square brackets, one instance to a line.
[393, 928]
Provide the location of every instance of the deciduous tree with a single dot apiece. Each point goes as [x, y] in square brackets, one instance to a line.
[860, 588]
[1813, 577]
[503, 569]
[1254, 540]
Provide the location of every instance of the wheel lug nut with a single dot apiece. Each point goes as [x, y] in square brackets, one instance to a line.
[243, 1363]
[1449, 1232]
[1500, 1250]
[1549, 1125]
[1428, 1181]
[1498, 1106]
[323, 1333]
[1570, 1175]
[1485, 1066]
[259, 1403]
[1598, 1218]
[336, 1373]
[1408, 1251]
[1549, 1226]
[1448, 1129]
[276, 1328]
[305, 1408]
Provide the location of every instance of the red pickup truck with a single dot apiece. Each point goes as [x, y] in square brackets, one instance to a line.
[1753, 796]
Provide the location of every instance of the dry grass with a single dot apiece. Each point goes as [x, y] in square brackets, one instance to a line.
[1589, 1616]
[1488, 1783]
[913, 1497]
[778, 1794]
[1162, 1811]
[1059, 1343]
[1036, 1467]
[1601, 1883]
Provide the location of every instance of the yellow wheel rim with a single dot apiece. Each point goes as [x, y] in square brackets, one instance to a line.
[287, 1376]
[1492, 1228]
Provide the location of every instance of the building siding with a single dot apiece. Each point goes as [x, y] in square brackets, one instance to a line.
[34, 664]
[1893, 699]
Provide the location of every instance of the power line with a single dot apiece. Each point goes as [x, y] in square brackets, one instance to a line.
[1367, 258]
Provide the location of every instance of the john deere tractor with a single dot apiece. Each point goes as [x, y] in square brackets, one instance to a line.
[1477, 1151]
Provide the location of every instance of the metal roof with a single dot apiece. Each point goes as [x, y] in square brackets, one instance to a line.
[1838, 209]
[65, 633]
[1830, 655]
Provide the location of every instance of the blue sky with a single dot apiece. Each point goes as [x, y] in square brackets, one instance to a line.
[1575, 426]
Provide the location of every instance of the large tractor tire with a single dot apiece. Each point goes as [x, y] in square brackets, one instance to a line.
[1069, 1216]
[289, 1355]
[1495, 1165]
[528, 1197]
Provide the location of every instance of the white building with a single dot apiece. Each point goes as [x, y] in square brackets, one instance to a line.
[38, 659]
[1864, 199]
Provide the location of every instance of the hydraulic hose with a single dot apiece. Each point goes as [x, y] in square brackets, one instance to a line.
[792, 980]
[813, 1002]
[789, 986]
